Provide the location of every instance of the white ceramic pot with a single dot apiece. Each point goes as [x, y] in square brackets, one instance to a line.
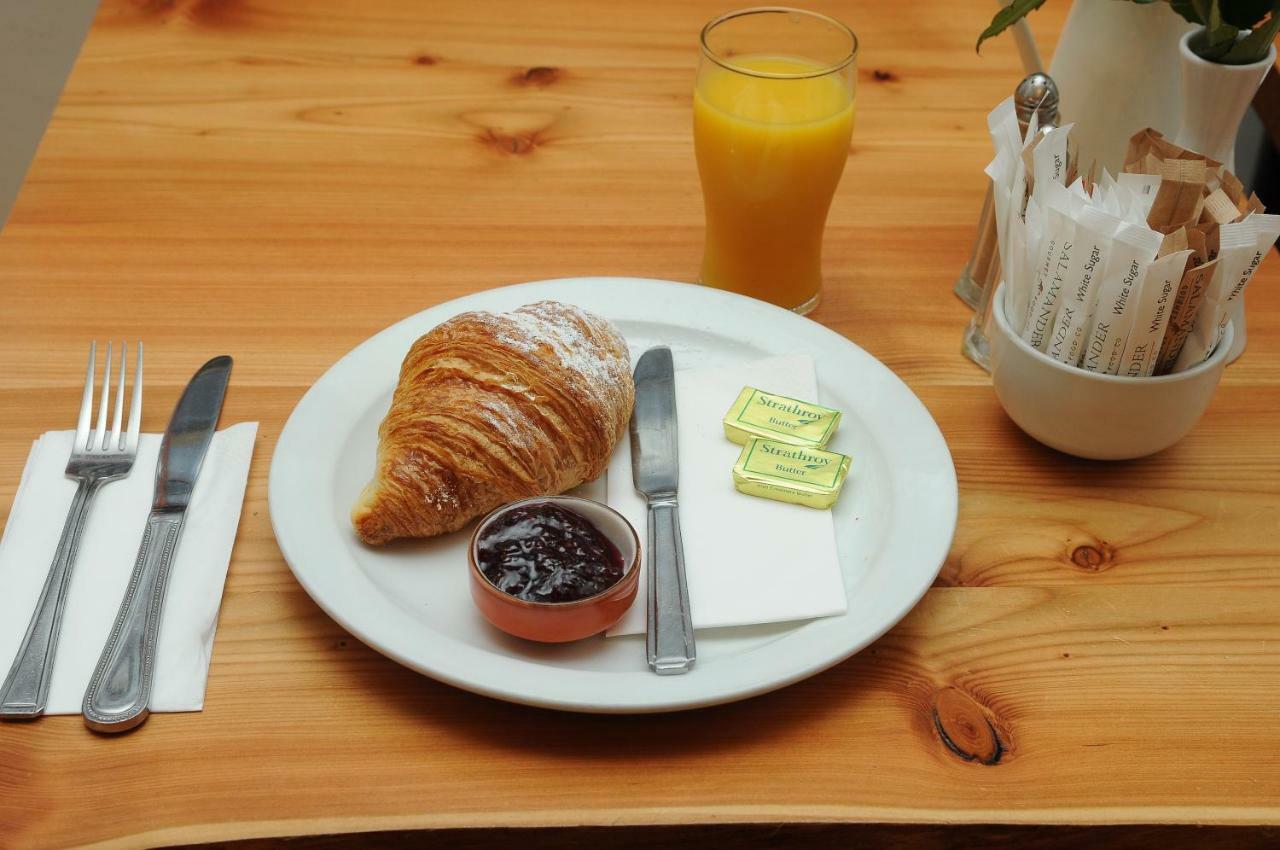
[1116, 66]
[1214, 100]
[1101, 417]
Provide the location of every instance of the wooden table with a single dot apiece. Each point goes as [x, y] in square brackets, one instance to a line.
[278, 179]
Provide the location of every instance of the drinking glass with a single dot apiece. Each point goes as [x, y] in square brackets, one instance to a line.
[773, 111]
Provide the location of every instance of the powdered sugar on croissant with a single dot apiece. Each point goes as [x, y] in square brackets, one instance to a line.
[496, 407]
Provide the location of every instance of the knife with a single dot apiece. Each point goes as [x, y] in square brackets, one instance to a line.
[120, 689]
[655, 468]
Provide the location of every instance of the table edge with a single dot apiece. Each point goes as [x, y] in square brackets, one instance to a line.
[699, 816]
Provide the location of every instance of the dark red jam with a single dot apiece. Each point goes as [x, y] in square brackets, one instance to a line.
[544, 553]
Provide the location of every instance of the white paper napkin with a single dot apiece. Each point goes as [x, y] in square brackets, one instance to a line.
[747, 560]
[108, 549]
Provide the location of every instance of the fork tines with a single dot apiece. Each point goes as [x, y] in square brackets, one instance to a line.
[100, 441]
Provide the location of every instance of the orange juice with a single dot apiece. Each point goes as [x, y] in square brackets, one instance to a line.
[770, 153]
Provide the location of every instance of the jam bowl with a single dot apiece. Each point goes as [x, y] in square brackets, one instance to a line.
[571, 600]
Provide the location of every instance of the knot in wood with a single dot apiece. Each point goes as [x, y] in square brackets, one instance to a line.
[1091, 558]
[964, 728]
[539, 75]
[516, 144]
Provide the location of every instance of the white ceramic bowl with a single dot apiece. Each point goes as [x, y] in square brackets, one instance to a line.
[1102, 417]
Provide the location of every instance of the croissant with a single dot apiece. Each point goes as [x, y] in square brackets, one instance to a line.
[493, 408]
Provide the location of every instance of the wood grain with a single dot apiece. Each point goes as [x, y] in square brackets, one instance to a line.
[279, 179]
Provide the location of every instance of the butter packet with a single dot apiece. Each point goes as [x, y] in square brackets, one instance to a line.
[756, 413]
[801, 475]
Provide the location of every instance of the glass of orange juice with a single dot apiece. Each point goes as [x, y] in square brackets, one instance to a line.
[772, 115]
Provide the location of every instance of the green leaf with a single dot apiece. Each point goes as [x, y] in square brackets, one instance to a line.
[1212, 46]
[1006, 17]
[1244, 14]
[1213, 26]
[1218, 34]
[1195, 11]
[1253, 47]
[1223, 38]
[1219, 37]
[1187, 9]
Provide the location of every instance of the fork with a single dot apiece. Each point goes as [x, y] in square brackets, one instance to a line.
[96, 459]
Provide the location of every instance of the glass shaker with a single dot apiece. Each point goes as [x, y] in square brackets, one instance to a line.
[1036, 95]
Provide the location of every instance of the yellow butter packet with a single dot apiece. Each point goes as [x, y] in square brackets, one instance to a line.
[756, 413]
[798, 474]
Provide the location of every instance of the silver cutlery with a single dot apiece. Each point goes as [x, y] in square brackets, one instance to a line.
[97, 458]
[119, 691]
[655, 467]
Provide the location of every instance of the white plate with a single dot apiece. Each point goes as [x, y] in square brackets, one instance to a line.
[411, 601]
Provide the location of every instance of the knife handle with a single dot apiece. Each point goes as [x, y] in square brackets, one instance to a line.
[120, 689]
[670, 632]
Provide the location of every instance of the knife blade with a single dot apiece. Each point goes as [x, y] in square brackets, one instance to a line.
[655, 469]
[118, 693]
[185, 441]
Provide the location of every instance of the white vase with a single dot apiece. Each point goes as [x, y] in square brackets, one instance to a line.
[1214, 100]
[1116, 66]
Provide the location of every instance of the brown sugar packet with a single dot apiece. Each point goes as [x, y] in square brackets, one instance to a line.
[1196, 240]
[1252, 204]
[1191, 175]
[1138, 148]
[1150, 142]
[1139, 159]
[1166, 149]
[1175, 241]
[1161, 212]
[1231, 184]
[1181, 194]
[1182, 317]
[1219, 208]
[1088, 179]
[1184, 170]
[1202, 239]
[1210, 240]
[1149, 164]
[1244, 204]
[1148, 149]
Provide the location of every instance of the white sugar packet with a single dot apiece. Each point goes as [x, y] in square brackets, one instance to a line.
[1022, 238]
[1143, 189]
[1058, 246]
[1242, 247]
[1049, 161]
[1094, 229]
[1132, 250]
[1267, 230]
[1151, 314]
